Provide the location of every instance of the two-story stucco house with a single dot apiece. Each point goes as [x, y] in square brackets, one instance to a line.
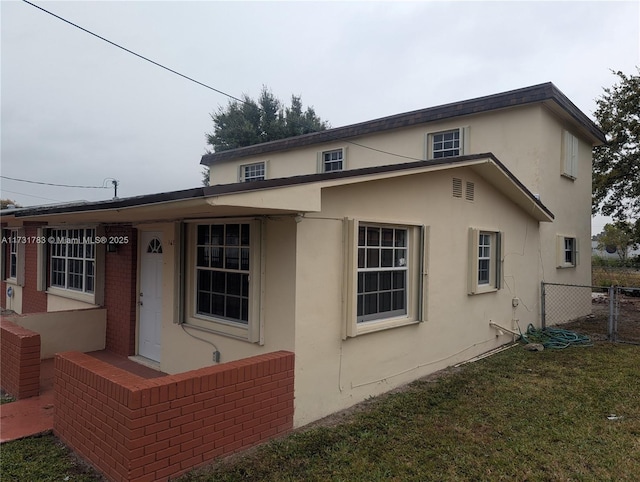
[377, 252]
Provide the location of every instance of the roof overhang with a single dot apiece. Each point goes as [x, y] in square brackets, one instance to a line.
[291, 195]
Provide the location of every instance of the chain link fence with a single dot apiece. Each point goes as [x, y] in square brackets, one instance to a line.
[602, 313]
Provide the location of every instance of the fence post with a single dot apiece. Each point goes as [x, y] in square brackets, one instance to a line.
[612, 329]
[543, 316]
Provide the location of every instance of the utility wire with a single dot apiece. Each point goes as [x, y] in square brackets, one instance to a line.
[30, 195]
[132, 52]
[52, 184]
[196, 81]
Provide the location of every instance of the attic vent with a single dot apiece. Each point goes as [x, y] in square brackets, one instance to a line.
[470, 191]
[457, 187]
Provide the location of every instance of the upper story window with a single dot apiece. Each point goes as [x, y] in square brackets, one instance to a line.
[253, 172]
[333, 160]
[72, 255]
[449, 143]
[446, 144]
[485, 260]
[569, 155]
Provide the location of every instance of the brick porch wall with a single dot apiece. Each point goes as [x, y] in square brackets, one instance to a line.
[19, 360]
[120, 292]
[135, 429]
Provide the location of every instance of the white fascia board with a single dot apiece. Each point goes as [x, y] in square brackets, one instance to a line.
[295, 198]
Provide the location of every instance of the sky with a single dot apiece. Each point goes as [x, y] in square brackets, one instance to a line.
[76, 110]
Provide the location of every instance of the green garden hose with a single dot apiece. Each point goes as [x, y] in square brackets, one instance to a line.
[554, 338]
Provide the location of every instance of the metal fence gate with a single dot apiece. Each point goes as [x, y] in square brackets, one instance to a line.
[602, 313]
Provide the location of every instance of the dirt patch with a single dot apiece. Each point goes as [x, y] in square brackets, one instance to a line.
[596, 324]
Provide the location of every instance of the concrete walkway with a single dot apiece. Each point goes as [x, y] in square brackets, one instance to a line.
[30, 416]
[33, 416]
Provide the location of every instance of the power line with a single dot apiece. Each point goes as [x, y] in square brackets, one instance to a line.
[132, 52]
[197, 81]
[52, 184]
[30, 195]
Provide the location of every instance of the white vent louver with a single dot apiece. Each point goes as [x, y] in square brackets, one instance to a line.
[470, 191]
[457, 187]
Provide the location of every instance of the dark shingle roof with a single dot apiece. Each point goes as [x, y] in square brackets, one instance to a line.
[221, 189]
[513, 98]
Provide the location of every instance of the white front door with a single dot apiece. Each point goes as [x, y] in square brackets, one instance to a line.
[150, 330]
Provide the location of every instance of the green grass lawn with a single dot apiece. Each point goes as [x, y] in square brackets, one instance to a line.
[517, 415]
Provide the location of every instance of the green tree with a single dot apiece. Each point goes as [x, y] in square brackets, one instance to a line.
[622, 235]
[5, 203]
[245, 123]
[249, 122]
[616, 165]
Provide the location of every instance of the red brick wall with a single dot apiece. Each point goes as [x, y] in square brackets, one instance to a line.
[120, 292]
[19, 360]
[135, 429]
[33, 301]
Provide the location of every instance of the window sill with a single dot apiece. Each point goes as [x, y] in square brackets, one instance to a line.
[565, 266]
[89, 298]
[219, 327]
[568, 176]
[373, 326]
[482, 290]
[11, 281]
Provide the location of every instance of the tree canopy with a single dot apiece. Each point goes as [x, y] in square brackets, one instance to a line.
[616, 165]
[5, 203]
[618, 237]
[249, 122]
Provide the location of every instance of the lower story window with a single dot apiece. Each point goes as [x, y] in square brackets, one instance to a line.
[223, 274]
[222, 271]
[382, 272]
[72, 259]
[567, 252]
[485, 260]
[13, 254]
[385, 273]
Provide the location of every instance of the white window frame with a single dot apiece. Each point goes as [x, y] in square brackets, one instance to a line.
[13, 256]
[245, 174]
[82, 248]
[569, 158]
[567, 252]
[356, 322]
[463, 143]
[322, 163]
[486, 259]
[251, 330]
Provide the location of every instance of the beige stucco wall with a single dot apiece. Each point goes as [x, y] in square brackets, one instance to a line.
[75, 330]
[64, 303]
[513, 135]
[333, 373]
[14, 302]
[182, 352]
[527, 139]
